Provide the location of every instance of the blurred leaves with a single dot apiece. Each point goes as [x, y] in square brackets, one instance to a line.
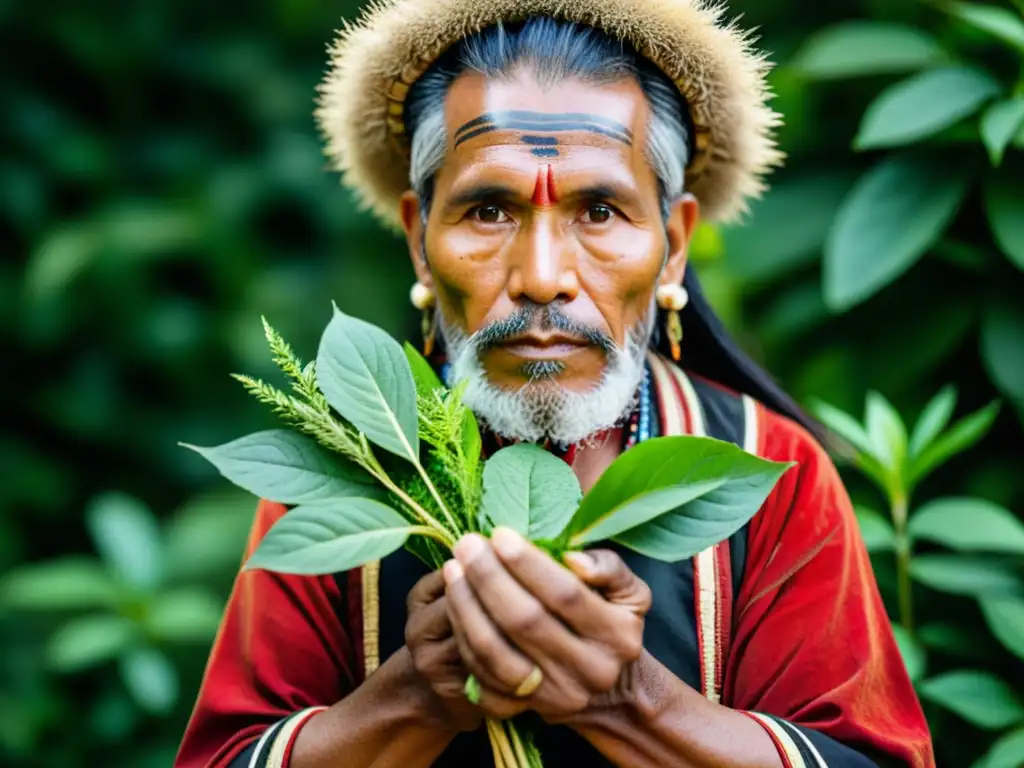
[857, 48]
[978, 697]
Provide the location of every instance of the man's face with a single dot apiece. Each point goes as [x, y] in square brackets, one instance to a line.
[545, 237]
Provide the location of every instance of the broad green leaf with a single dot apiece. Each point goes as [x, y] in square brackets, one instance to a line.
[89, 640]
[857, 48]
[893, 215]
[186, 615]
[785, 229]
[1004, 205]
[366, 378]
[472, 443]
[330, 537]
[877, 531]
[530, 491]
[999, 124]
[998, 22]
[1002, 350]
[968, 525]
[915, 658]
[677, 497]
[951, 639]
[844, 425]
[959, 575]
[933, 420]
[978, 697]
[423, 374]
[1006, 752]
[287, 467]
[1005, 619]
[923, 105]
[151, 679]
[71, 583]
[887, 433]
[961, 436]
[128, 539]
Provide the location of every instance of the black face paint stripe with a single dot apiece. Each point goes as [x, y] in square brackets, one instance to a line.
[525, 126]
[540, 117]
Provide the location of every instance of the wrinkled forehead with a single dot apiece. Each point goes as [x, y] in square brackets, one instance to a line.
[518, 122]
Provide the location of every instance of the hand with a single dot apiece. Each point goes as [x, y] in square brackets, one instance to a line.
[435, 655]
[512, 606]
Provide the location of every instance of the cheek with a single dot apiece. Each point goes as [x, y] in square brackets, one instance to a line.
[621, 274]
[468, 283]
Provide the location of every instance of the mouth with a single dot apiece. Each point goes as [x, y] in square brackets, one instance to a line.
[544, 346]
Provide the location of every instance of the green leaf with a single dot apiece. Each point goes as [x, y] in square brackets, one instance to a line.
[968, 525]
[923, 105]
[958, 575]
[330, 537]
[1006, 752]
[366, 378]
[284, 466]
[914, 657]
[1004, 205]
[709, 488]
[998, 22]
[844, 425]
[87, 641]
[877, 531]
[933, 420]
[978, 697]
[128, 538]
[530, 491]
[472, 443]
[151, 679]
[961, 436]
[206, 536]
[887, 433]
[186, 615]
[857, 48]
[423, 374]
[1002, 351]
[1005, 619]
[892, 216]
[71, 583]
[1000, 124]
[951, 639]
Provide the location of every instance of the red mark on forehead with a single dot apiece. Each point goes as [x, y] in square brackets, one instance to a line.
[544, 189]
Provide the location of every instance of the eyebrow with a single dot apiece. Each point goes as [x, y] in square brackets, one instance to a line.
[481, 193]
[525, 120]
[477, 194]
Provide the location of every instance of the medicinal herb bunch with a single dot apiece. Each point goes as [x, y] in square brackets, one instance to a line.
[382, 455]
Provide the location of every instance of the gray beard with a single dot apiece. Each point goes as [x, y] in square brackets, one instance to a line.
[542, 409]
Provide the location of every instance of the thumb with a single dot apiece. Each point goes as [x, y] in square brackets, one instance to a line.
[606, 572]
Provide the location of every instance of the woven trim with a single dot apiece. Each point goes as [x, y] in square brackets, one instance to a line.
[751, 425]
[371, 616]
[281, 747]
[818, 759]
[784, 744]
[673, 419]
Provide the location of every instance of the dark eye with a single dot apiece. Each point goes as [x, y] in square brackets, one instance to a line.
[489, 214]
[598, 214]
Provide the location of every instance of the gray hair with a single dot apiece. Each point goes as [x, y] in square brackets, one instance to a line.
[555, 51]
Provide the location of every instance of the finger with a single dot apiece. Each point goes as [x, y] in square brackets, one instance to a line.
[428, 623]
[606, 572]
[500, 706]
[485, 650]
[427, 590]
[560, 590]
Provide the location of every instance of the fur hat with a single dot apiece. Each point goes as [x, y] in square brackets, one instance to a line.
[376, 59]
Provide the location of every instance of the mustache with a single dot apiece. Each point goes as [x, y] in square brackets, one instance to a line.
[547, 317]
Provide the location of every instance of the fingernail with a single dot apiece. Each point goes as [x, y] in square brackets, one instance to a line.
[452, 571]
[507, 541]
[468, 547]
[580, 561]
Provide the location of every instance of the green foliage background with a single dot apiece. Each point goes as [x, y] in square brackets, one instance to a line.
[162, 186]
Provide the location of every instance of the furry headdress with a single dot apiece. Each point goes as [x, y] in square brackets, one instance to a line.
[376, 59]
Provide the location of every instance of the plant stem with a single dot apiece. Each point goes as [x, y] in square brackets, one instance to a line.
[517, 744]
[454, 527]
[501, 745]
[903, 553]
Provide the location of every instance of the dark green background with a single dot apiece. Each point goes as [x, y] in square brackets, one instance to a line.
[162, 185]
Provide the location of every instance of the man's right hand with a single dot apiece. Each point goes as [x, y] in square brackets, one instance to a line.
[435, 653]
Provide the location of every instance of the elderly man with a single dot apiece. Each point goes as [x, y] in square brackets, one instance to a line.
[546, 161]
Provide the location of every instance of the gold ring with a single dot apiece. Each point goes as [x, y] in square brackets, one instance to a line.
[530, 683]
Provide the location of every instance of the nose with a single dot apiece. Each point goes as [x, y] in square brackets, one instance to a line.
[542, 266]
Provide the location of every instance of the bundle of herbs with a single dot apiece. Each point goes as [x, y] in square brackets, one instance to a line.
[382, 455]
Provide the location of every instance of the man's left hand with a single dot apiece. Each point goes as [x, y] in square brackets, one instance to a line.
[512, 606]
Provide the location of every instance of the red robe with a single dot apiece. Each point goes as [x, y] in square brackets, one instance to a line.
[804, 645]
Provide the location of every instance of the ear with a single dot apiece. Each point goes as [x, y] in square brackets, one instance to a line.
[412, 222]
[679, 228]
